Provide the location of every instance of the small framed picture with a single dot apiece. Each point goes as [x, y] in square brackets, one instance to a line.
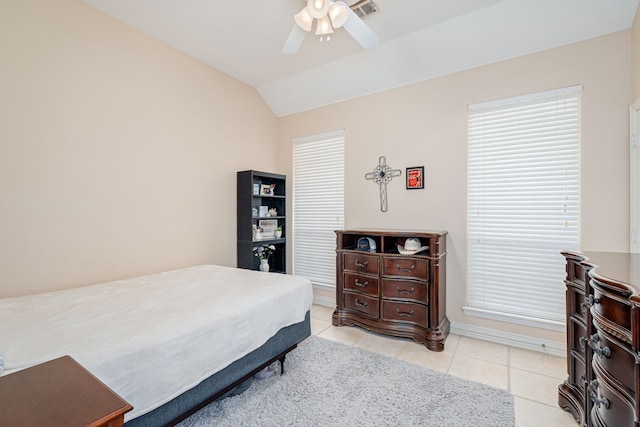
[415, 178]
[256, 189]
[264, 211]
[266, 190]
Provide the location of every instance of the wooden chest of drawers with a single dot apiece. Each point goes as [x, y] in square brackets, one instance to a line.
[603, 339]
[393, 293]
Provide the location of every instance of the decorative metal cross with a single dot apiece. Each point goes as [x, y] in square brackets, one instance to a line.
[381, 175]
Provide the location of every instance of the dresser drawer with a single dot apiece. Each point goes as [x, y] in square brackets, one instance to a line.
[575, 301]
[406, 267]
[404, 312]
[362, 263]
[362, 304]
[618, 362]
[361, 283]
[577, 372]
[405, 289]
[611, 307]
[578, 336]
[610, 409]
[576, 272]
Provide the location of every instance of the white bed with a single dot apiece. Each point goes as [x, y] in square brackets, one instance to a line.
[152, 338]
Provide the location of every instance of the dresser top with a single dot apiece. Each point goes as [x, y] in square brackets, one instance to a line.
[392, 232]
[615, 267]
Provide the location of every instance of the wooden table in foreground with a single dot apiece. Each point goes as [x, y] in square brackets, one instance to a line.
[59, 392]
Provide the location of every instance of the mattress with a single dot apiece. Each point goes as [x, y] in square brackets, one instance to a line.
[153, 337]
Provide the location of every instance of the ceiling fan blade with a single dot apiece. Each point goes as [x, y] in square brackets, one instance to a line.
[294, 41]
[360, 31]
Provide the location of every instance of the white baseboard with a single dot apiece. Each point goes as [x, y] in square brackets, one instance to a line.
[553, 348]
[325, 301]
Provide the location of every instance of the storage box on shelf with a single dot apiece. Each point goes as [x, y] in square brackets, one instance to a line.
[261, 200]
[390, 292]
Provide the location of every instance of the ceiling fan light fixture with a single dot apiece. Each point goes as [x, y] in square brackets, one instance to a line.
[324, 26]
[339, 13]
[318, 8]
[304, 19]
[330, 14]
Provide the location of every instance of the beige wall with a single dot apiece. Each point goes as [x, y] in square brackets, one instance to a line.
[118, 154]
[635, 57]
[426, 124]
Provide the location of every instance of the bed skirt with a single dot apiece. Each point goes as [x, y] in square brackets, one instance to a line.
[225, 380]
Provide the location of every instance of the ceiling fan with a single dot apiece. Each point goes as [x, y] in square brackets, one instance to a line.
[329, 15]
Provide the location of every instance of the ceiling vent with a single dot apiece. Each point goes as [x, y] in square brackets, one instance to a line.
[364, 8]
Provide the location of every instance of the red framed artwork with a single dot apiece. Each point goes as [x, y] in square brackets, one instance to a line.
[415, 178]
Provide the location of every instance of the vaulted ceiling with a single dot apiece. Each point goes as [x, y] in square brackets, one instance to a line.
[419, 39]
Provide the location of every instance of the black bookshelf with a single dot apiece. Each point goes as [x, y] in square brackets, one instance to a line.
[271, 194]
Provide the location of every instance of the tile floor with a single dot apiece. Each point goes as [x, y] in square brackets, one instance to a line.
[531, 377]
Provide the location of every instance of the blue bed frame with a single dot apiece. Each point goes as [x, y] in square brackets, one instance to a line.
[226, 380]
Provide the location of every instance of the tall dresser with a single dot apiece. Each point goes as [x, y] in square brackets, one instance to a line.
[393, 293]
[603, 339]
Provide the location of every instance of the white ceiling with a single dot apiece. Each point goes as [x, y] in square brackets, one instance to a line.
[420, 39]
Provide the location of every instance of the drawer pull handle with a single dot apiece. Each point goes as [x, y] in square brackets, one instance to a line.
[600, 351]
[582, 342]
[582, 380]
[589, 301]
[404, 314]
[362, 284]
[361, 304]
[593, 394]
[404, 291]
[406, 270]
[361, 264]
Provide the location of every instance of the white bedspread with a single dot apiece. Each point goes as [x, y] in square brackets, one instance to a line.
[153, 337]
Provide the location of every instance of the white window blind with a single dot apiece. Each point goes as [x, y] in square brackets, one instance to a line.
[523, 205]
[318, 205]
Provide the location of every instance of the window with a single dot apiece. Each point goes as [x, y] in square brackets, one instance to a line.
[523, 189]
[318, 205]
